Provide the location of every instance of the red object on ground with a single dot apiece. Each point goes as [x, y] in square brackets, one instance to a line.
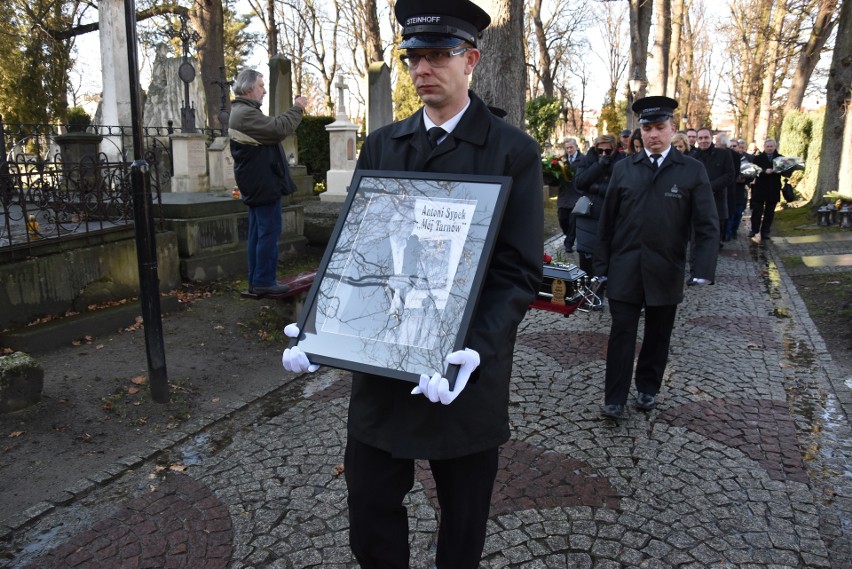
[298, 284]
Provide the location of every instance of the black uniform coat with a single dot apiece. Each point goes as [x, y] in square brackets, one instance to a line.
[382, 411]
[645, 226]
[720, 171]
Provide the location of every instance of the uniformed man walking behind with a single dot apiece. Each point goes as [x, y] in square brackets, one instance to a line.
[654, 197]
[458, 431]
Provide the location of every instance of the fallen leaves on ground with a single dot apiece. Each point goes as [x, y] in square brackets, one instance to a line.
[15, 434]
[138, 380]
[337, 470]
[135, 326]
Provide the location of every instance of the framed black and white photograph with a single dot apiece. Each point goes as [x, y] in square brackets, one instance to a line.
[397, 286]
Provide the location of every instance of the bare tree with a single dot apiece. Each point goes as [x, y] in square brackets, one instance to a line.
[662, 44]
[612, 32]
[208, 20]
[500, 76]
[678, 13]
[823, 24]
[553, 30]
[779, 12]
[835, 164]
[641, 12]
[310, 39]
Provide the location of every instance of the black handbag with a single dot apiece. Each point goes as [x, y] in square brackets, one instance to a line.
[788, 192]
[583, 206]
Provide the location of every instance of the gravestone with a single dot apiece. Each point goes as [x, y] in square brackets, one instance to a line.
[165, 92]
[341, 139]
[281, 99]
[379, 96]
[190, 163]
[221, 165]
[21, 382]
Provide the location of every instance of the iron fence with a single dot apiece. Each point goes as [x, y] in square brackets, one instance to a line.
[55, 187]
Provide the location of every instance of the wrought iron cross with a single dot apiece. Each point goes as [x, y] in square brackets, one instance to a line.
[186, 71]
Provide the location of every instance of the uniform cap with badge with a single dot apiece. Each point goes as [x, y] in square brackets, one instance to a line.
[431, 24]
[654, 109]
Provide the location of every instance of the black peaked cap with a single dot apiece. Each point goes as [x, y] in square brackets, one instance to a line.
[654, 109]
[440, 23]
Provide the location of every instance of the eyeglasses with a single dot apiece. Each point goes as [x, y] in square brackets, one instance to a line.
[435, 59]
[605, 150]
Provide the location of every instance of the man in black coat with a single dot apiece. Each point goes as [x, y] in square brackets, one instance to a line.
[720, 171]
[654, 198]
[459, 431]
[568, 193]
[766, 191]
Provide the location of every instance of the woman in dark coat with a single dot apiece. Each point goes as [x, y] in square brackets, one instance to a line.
[592, 178]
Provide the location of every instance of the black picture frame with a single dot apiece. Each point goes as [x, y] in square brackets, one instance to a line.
[398, 284]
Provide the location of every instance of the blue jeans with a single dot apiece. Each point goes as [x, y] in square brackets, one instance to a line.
[733, 224]
[263, 232]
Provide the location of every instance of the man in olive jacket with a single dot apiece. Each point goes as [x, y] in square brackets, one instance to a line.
[262, 174]
[654, 197]
[459, 431]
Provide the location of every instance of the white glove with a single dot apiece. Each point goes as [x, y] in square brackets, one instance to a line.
[437, 388]
[294, 359]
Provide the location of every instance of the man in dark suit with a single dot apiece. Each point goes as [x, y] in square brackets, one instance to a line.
[720, 171]
[654, 197]
[460, 430]
[765, 192]
[568, 194]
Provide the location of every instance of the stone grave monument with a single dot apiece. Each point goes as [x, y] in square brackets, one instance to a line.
[379, 96]
[341, 134]
[280, 100]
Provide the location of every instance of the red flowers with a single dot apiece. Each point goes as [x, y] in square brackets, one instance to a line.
[547, 259]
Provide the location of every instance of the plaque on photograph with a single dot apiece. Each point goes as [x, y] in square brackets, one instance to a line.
[398, 284]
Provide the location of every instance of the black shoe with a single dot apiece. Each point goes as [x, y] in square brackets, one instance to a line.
[751, 233]
[612, 411]
[645, 401]
[274, 289]
[765, 238]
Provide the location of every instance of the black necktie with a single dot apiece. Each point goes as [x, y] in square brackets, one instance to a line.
[435, 133]
[655, 160]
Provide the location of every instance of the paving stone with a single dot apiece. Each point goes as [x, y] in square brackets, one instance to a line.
[713, 478]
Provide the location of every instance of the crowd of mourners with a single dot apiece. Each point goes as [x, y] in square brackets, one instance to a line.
[735, 187]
